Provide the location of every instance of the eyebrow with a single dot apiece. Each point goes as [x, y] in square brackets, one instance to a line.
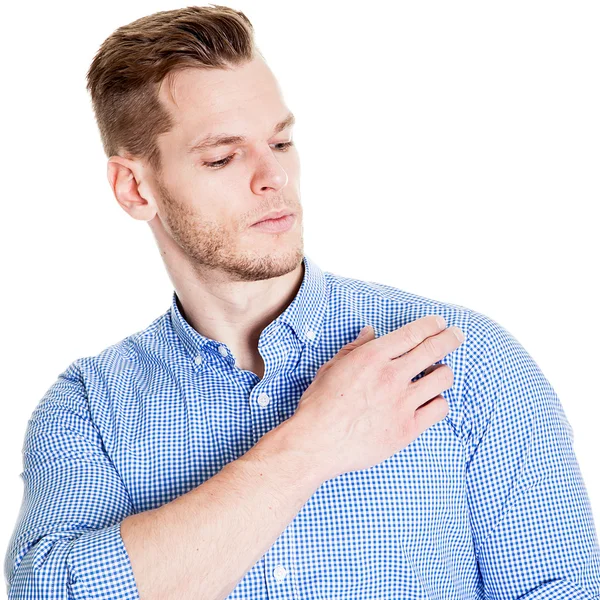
[225, 139]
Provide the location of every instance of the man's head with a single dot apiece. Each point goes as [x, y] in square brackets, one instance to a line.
[160, 86]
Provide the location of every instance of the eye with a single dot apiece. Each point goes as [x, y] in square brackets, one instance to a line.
[219, 164]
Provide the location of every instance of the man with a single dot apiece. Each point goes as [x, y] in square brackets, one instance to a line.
[247, 444]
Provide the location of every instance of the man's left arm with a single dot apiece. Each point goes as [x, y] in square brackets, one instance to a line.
[533, 528]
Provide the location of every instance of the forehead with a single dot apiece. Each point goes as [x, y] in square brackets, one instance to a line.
[211, 100]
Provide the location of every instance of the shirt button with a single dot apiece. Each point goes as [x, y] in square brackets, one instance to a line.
[310, 334]
[279, 572]
[198, 359]
[263, 399]
[222, 350]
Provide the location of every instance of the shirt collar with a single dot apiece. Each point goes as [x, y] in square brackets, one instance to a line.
[304, 315]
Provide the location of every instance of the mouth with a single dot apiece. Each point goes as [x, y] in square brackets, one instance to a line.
[276, 225]
[274, 216]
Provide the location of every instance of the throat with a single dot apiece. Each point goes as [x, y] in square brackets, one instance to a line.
[255, 364]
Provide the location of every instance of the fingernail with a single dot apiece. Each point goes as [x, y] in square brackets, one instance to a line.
[363, 331]
[459, 334]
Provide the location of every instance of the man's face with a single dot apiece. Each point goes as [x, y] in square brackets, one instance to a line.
[208, 212]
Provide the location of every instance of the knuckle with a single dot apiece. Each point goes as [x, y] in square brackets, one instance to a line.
[406, 427]
[388, 374]
[360, 360]
[367, 354]
[411, 335]
[445, 375]
[444, 407]
[431, 346]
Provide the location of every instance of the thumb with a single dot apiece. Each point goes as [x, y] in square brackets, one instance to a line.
[364, 335]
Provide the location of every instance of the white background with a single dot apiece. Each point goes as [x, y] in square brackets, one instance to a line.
[450, 149]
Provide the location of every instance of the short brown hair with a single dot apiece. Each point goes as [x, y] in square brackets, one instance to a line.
[126, 72]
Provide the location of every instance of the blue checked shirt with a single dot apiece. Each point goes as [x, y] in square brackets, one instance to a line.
[488, 503]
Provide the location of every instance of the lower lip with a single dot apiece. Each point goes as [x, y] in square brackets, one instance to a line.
[276, 225]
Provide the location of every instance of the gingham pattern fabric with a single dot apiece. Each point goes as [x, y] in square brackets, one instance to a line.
[488, 503]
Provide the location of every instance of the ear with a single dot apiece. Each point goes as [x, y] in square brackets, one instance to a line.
[125, 179]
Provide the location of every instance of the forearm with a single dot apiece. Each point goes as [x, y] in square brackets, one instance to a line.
[201, 544]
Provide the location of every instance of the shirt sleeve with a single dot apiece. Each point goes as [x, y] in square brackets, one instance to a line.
[531, 517]
[67, 542]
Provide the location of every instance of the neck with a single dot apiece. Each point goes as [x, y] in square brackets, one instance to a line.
[236, 313]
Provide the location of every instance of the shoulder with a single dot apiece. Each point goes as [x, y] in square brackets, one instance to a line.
[489, 359]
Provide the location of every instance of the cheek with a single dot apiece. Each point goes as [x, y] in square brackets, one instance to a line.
[292, 167]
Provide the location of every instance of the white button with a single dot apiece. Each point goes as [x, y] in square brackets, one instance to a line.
[310, 334]
[264, 399]
[222, 350]
[279, 572]
[198, 359]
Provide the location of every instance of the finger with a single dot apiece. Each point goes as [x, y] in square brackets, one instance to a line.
[401, 340]
[426, 372]
[430, 351]
[422, 391]
[431, 413]
[360, 340]
[367, 335]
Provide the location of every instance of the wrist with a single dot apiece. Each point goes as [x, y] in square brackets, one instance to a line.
[291, 448]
